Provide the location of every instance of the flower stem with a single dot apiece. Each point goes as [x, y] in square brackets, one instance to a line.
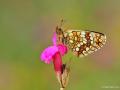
[61, 88]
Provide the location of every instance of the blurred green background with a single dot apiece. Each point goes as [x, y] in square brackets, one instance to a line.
[26, 28]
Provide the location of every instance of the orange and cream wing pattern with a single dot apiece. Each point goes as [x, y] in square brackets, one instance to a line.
[83, 42]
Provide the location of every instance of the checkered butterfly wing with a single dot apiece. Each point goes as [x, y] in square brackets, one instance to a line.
[82, 42]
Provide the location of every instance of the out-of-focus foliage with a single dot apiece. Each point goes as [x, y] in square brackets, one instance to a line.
[26, 28]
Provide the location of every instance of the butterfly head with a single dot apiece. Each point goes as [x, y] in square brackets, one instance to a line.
[59, 31]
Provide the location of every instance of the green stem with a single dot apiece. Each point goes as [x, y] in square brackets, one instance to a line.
[61, 88]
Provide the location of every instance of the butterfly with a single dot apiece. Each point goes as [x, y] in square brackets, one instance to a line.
[80, 42]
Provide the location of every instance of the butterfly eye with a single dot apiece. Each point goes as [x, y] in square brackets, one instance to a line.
[59, 31]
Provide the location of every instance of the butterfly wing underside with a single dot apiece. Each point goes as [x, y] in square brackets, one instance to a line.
[83, 42]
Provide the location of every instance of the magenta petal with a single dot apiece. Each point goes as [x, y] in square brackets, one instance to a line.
[62, 49]
[54, 39]
[48, 53]
[57, 60]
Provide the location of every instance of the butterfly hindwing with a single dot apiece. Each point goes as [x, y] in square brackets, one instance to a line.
[83, 42]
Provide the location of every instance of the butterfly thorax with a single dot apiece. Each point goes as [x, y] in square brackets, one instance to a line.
[60, 36]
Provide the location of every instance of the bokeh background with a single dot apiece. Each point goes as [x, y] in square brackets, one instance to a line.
[26, 28]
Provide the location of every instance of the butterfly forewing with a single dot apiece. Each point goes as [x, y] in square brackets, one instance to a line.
[83, 42]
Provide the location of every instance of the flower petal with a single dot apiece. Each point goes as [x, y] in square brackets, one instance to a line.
[57, 61]
[48, 53]
[62, 49]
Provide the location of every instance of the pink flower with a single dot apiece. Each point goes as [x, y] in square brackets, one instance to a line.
[62, 49]
[54, 53]
[57, 61]
[48, 54]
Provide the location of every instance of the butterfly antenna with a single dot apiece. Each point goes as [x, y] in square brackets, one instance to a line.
[67, 27]
[61, 22]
